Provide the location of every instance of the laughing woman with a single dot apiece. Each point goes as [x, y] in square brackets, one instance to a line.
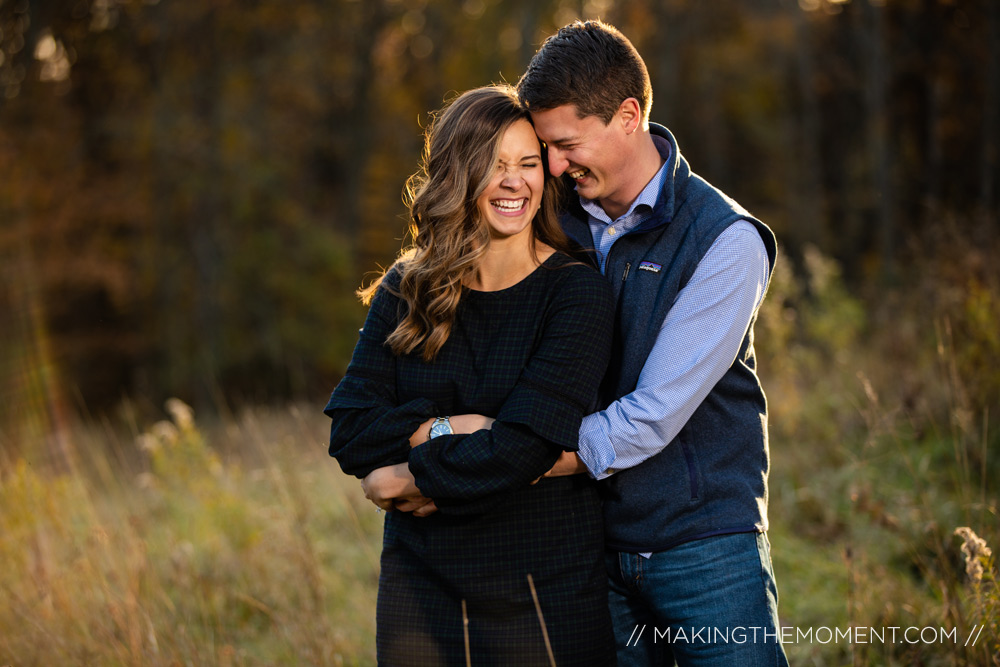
[482, 351]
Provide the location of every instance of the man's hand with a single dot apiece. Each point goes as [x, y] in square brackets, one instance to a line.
[568, 463]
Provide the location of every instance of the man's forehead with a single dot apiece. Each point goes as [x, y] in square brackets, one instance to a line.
[558, 124]
[562, 112]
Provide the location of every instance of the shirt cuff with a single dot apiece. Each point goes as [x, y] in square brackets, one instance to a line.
[595, 450]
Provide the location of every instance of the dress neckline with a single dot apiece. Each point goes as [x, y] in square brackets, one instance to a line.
[518, 284]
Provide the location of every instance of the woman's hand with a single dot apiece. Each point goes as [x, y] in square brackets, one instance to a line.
[393, 487]
[469, 423]
[384, 486]
[419, 506]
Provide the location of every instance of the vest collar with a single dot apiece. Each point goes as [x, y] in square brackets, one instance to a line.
[677, 172]
[666, 202]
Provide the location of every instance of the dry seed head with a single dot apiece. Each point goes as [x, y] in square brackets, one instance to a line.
[975, 551]
[165, 432]
[181, 413]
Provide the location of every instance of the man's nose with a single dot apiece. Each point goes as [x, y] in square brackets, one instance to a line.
[557, 163]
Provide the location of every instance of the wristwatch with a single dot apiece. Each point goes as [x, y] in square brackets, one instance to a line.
[441, 426]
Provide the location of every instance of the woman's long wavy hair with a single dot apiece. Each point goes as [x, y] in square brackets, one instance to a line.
[449, 233]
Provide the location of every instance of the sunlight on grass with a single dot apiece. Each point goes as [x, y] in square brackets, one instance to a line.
[876, 461]
[238, 541]
[268, 558]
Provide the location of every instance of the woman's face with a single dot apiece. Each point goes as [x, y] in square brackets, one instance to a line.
[514, 194]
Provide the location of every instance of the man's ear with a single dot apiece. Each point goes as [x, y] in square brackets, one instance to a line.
[630, 115]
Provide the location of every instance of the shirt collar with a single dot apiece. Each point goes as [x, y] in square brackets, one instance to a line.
[646, 200]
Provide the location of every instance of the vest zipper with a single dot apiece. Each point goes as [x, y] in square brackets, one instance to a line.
[628, 265]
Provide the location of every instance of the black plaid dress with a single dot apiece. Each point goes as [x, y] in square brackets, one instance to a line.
[531, 356]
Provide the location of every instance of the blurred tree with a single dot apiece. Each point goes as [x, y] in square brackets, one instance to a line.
[903, 88]
[990, 157]
[192, 191]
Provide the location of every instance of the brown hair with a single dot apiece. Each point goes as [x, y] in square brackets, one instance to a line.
[590, 65]
[449, 233]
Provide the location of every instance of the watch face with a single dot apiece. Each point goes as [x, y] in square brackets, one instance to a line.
[440, 428]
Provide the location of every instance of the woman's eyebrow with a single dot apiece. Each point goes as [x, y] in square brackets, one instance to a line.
[530, 156]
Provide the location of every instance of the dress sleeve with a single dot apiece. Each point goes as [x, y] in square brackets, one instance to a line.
[370, 428]
[540, 418]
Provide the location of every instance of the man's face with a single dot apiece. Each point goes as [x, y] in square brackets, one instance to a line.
[586, 149]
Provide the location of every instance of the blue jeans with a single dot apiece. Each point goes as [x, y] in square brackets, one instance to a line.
[707, 602]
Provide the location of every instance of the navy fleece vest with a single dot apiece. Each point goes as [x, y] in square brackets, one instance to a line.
[712, 478]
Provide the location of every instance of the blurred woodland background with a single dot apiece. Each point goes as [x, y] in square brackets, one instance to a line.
[190, 192]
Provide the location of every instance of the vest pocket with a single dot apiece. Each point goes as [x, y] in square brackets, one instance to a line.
[692, 468]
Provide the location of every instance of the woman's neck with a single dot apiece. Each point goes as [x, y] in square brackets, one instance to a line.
[508, 262]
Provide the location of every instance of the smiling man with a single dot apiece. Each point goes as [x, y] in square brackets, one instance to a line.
[680, 445]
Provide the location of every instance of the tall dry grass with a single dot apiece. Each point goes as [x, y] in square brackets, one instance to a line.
[239, 542]
[265, 556]
[881, 448]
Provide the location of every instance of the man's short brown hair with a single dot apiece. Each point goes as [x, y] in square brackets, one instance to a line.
[591, 65]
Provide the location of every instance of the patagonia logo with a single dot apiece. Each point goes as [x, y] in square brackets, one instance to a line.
[649, 266]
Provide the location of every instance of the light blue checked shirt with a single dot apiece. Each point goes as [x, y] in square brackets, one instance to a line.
[697, 343]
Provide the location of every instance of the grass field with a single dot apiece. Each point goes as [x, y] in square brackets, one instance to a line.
[242, 544]
[236, 540]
